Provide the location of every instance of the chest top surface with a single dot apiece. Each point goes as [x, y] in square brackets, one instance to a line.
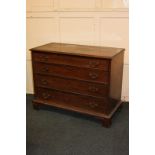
[80, 50]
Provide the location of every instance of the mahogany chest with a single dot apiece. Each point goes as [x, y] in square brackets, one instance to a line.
[84, 79]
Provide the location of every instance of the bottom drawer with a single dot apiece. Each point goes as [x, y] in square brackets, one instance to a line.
[71, 100]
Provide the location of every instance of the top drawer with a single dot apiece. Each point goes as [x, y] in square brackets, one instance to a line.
[72, 60]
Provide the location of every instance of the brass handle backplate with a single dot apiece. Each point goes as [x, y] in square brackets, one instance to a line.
[93, 64]
[93, 105]
[45, 69]
[93, 75]
[93, 89]
[46, 95]
[44, 82]
[45, 58]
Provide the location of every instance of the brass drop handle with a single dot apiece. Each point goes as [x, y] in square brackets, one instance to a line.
[93, 75]
[45, 58]
[44, 82]
[93, 89]
[93, 105]
[46, 95]
[45, 69]
[93, 63]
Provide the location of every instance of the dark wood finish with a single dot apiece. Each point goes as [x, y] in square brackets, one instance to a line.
[36, 106]
[116, 76]
[106, 122]
[79, 50]
[85, 79]
[72, 60]
[72, 85]
[93, 104]
[72, 72]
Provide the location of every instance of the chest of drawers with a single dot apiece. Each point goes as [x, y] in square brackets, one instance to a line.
[84, 79]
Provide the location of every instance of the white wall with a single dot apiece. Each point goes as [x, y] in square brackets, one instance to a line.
[77, 21]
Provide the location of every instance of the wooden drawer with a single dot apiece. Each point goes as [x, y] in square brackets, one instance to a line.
[71, 85]
[72, 60]
[71, 100]
[72, 72]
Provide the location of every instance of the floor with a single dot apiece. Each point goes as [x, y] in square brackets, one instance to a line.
[51, 131]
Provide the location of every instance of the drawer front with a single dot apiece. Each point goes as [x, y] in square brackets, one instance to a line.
[72, 72]
[72, 60]
[69, 99]
[71, 85]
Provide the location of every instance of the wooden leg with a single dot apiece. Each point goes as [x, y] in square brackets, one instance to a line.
[120, 108]
[106, 122]
[36, 106]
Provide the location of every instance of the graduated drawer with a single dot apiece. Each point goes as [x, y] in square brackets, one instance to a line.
[50, 96]
[72, 85]
[72, 72]
[72, 60]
